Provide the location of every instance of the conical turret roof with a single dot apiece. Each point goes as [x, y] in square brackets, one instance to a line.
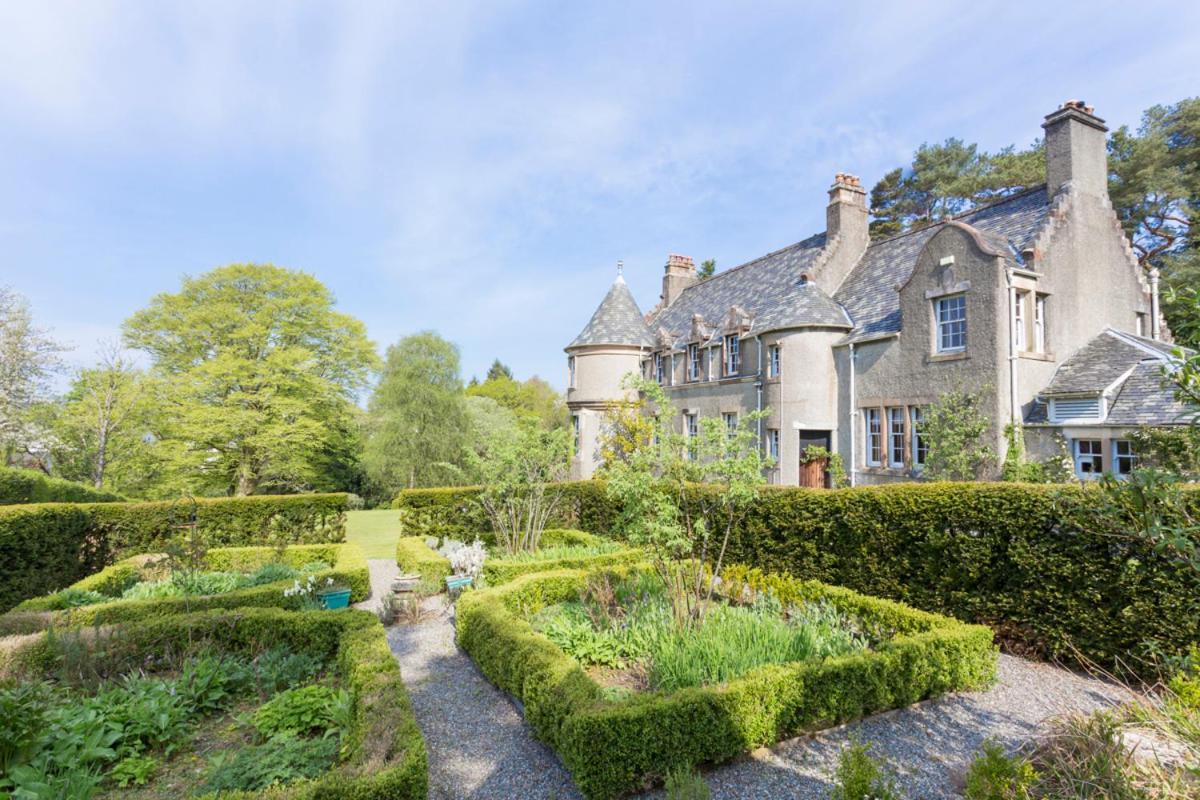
[617, 321]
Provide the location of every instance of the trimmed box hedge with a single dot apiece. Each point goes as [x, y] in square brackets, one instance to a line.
[413, 555]
[47, 546]
[20, 486]
[455, 511]
[349, 568]
[385, 752]
[1005, 554]
[616, 747]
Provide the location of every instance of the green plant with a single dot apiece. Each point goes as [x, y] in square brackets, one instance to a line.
[956, 428]
[23, 712]
[684, 783]
[76, 598]
[519, 468]
[1185, 683]
[20, 486]
[996, 775]
[279, 761]
[276, 571]
[836, 466]
[299, 711]
[860, 776]
[133, 770]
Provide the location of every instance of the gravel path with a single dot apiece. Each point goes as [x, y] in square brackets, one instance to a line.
[480, 747]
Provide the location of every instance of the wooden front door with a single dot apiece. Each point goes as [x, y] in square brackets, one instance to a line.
[814, 474]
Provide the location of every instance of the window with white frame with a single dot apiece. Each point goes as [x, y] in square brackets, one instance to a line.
[1089, 458]
[1039, 323]
[692, 429]
[659, 368]
[1124, 458]
[712, 363]
[773, 361]
[874, 430]
[575, 429]
[920, 447]
[731, 423]
[1020, 340]
[895, 437]
[951, 315]
[571, 372]
[693, 362]
[773, 444]
[733, 356]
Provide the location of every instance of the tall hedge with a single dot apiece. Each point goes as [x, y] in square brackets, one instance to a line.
[1000, 553]
[455, 511]
[20, 486]
[46, 547]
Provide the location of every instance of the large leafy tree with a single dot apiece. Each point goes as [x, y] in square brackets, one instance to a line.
[417, 425]
[108, 426]
[260, 372]
[28, 359]
[531, 400]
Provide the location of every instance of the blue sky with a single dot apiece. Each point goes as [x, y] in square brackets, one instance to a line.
[478, 170]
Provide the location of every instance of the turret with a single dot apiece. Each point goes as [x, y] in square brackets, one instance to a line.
[610, 346]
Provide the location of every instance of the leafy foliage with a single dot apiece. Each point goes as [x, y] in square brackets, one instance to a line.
[261, 372]
[301, 711]
[518, 470]
[28, 359]
[279, 760]
[648, 478]
[860, 776]
[955, 428]
[684, 783]
[996, 775]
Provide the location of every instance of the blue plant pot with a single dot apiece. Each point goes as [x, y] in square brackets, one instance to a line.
[335, 599]
[457, 582]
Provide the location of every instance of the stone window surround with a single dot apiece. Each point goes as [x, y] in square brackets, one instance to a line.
[885, 466]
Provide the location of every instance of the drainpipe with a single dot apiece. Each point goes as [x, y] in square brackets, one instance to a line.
[1013, 395]
[1154, 327]
[758, 385]
[853, 421]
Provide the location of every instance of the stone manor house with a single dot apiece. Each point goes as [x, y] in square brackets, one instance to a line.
[1035, 300]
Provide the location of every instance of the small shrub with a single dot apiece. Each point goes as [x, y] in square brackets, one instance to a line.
[995, 775]
[684, 783]
[23, 713]
[1185, 683]
[76, 598]
[299, 711]
[861, 776]
[277, 669]
[272, 573]
[278, 761]
[133, 770]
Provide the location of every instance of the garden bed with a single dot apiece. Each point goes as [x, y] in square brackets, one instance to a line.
[217, 701]
[622, 738]
[560, 548]
[141, 586]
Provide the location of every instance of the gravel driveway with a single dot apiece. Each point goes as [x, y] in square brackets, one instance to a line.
[480, 747]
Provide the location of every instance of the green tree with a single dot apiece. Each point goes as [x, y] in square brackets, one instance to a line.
[887, 205]
[956, 430]
[708, 268]
[685, 530]
[499, 370]
[518, 468]
[533, 399]
[261, 373]
[28, 359]
[107, 427]
[416, 420]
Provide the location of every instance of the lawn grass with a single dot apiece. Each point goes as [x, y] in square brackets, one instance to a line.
[376, 531]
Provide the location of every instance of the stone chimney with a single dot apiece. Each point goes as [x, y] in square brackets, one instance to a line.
[680, 273]
[1076, 150]
[845, 221]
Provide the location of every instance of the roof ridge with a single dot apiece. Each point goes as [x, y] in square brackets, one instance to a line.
[960, 216]
[752, 261]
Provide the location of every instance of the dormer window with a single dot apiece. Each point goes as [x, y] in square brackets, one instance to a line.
[950, 314]
[693, 362]
[733, 359]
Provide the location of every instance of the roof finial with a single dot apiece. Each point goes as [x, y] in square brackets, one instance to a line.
[620, 270]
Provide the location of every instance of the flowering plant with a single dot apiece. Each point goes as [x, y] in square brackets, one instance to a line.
[465, 559]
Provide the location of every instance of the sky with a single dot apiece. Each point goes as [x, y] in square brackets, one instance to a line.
[478, 170]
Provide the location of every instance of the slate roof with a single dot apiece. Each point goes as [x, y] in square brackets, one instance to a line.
[618, 320]
[1146, 398]
[765, 288]
[1095, 366]
[869, 292]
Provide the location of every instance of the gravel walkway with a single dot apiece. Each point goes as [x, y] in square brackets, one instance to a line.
[480, 747]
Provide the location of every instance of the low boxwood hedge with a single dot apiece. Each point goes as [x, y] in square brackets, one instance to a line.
[20, 486]
[44, 547]
[349, 568]
[500, 570]
[455, 511]
[415, 557]
[616, 747]
[384, 757]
